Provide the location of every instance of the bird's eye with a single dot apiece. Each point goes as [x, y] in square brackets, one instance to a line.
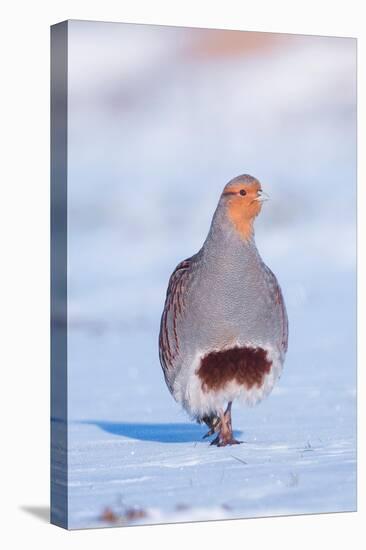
[242, 192]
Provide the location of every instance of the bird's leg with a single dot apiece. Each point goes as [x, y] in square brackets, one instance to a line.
[225, 436]
[214, 421]
[232, 441]
[228, 415]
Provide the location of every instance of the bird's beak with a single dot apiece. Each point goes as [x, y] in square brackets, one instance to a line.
[262, 196]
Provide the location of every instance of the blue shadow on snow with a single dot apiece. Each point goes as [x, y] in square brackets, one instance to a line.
[162, 433]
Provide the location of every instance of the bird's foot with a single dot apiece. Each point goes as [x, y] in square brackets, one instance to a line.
[224, 441]
[215, 427]
[220, 441]
[224, 428]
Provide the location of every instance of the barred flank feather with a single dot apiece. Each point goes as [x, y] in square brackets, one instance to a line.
[174, 305]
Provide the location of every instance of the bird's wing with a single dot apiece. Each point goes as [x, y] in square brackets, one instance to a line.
[173, 309]
[278, 297]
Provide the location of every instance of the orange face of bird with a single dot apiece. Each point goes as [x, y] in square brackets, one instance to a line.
[243, 201]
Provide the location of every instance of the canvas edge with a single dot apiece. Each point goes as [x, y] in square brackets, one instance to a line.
[58, 255]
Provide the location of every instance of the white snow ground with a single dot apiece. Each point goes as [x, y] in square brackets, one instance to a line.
[132, 447]
[151, 144]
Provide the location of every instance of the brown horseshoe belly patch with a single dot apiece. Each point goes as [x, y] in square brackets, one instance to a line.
[246, 366]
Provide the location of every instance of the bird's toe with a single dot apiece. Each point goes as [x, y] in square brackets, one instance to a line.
[216, 441]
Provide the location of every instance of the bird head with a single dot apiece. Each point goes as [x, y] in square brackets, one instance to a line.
[242, 198]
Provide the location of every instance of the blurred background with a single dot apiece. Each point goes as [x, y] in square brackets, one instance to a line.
[160, 118]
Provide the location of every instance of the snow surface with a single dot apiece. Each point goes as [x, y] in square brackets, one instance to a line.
[152, 141]
[131, 446]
